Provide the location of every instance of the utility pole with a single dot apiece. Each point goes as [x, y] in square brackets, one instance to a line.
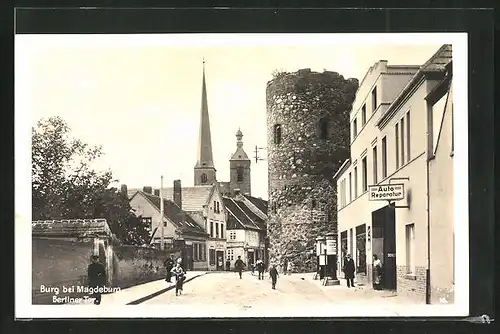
[162, 245]
[256, 151]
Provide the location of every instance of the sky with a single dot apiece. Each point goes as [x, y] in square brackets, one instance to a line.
[140, 97]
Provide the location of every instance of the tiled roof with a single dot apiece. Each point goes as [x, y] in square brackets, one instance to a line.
[73, 228]
[237, 214]
[175, 214]
[255, 219]
[258, 202]
[193, 198]
[439, 60]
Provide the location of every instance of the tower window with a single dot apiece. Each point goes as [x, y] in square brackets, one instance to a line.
[239, 172]
[277, 134]
[323, 128]
[203, 178]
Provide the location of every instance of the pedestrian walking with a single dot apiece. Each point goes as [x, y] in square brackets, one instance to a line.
[260, 269]
[180, 276]
[349, 269]
[96, 278]
[273, 273]
[377, 273]
[169, 264]
[238, 265]
[289, 267]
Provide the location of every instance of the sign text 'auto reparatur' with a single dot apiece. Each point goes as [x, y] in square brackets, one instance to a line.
[387, 192]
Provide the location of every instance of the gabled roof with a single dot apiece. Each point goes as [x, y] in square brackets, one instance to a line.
[70, 228]
[258, 202]
[193, 198]
[240, 154]
[240, 215]
[178, 216]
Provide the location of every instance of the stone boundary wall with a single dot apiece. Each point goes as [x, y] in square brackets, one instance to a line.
[413, 287]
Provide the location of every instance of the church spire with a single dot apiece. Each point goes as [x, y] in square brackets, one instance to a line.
[204, 157]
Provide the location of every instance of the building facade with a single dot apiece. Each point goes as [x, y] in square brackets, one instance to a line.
[307, 141]
[246, 230]
[179, 228]
[215, 226]
[394, 127]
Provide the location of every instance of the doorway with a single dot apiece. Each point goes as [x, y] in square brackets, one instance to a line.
[220, 260]
[384, 244]
[189, 258]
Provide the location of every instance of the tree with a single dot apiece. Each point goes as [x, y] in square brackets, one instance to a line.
[66, 186]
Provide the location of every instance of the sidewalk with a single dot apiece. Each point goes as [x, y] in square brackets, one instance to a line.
[360, 292]
[138, 292]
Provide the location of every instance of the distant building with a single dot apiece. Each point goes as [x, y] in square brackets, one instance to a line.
[178, 225]
[203, 201]
[246, 229]
[402, 133]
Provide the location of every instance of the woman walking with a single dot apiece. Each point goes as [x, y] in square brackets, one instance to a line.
[377, 273]
[180, 276]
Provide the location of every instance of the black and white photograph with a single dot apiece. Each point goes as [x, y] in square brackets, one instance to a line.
[241, 175]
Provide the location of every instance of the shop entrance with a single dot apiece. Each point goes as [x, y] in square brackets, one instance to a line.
[384, 244]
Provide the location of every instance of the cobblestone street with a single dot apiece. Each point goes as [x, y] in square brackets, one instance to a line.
[294, 294]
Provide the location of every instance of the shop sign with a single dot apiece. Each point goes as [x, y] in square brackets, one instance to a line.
[331, 247]
[386, 192]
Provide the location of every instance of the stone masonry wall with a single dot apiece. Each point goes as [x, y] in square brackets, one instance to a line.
[302, 194]
[411, 286]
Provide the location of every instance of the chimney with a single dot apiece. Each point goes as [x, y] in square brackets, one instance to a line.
[178, 193]
[236, 192]
[147, 190]
[157, 192]
[124, 190]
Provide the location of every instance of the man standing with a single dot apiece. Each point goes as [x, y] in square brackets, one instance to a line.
[238, 265]
[349, 269]
[169, 264]
[273, 273]
[96, 277]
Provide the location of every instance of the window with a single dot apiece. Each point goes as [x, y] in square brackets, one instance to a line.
[323, 128]
[363, 115]
[355, 182]
[277, 134]
[195, 252]
[232, 235]
[410, 249]
[211, 229]
[354, 129]
[222, 231]
[364, 179]
[374, 99]
[203, 178]
[239, 176]
[402, 141]
[201, 252]
[230, 254]
[148, 221]
[216, 230]
[396, 131]
[437, 112]
[350, 187]
[384, 157]
[408, 133]
[375, 167]
[211, 256]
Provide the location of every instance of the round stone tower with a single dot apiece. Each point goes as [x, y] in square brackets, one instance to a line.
[307, 141]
